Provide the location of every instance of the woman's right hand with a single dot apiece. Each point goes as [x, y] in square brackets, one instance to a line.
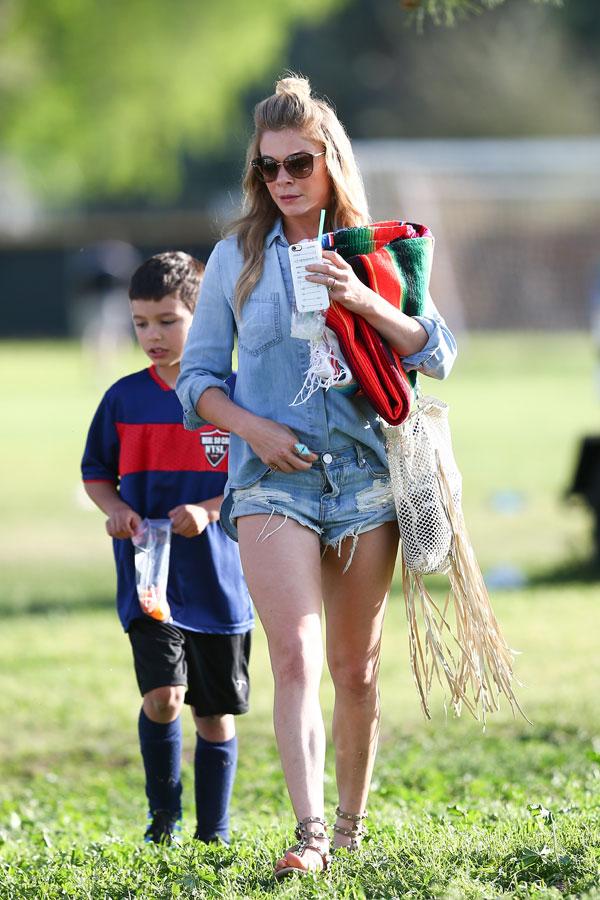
[275, 446]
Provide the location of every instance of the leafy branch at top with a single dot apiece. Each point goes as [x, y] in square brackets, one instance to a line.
[446, 12]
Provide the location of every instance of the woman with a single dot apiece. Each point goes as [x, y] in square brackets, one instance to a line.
[317, 527]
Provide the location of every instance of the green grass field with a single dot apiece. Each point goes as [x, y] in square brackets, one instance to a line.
[454, 812]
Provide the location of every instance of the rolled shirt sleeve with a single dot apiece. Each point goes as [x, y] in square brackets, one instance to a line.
[206, 360]
[437, 356]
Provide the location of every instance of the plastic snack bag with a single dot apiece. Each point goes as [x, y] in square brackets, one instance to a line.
[152, 544]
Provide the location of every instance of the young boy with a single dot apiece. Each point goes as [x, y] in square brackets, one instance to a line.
[140, 462]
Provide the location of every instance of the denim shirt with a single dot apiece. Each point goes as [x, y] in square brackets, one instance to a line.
[272, 364]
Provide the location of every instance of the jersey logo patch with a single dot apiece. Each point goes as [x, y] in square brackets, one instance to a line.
[216, 445]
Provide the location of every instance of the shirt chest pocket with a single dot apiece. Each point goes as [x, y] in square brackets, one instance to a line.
[260, 325]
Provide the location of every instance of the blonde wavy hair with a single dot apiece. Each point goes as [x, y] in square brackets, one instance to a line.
[293, 106]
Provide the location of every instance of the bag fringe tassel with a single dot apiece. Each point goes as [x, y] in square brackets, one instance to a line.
[474, 661]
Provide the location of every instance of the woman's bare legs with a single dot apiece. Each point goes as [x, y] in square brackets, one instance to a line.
[283, 573]
[354, 608]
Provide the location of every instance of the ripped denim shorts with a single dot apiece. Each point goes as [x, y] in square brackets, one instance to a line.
[345, 493]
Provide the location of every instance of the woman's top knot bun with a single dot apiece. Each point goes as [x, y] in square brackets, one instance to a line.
[295, 86]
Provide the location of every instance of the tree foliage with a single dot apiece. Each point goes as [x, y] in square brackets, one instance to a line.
[100, 98]
[106, 99]
[447, 11]
[519, 70]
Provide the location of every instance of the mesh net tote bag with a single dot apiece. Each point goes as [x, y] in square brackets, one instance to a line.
[461, 643]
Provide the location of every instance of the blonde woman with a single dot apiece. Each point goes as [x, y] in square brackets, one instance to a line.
[308, 494]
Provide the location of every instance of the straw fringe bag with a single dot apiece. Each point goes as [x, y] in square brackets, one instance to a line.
[472, 658]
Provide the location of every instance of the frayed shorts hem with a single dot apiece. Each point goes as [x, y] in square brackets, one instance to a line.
[344, 494]
[326, 540]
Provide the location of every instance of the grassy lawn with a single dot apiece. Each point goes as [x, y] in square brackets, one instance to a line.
[454, 812]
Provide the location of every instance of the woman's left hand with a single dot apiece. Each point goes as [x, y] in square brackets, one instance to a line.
[343, 285]
[404, 333]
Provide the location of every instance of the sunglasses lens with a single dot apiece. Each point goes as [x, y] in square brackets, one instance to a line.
[266, 168]
[299, 165]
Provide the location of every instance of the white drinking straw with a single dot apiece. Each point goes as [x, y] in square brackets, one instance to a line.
[321, 224]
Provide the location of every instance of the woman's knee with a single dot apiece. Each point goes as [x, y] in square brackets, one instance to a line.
[356, 677]
[297, 660]
[164, 704]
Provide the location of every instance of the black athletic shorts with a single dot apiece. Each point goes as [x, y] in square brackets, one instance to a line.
[213, 667]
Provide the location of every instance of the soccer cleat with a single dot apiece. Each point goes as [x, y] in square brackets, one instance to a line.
[164, 827]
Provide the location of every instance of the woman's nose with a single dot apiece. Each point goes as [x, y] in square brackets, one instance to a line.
[283, 175]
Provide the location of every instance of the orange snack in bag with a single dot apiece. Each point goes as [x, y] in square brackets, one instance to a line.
[154, 604]
[152, 543]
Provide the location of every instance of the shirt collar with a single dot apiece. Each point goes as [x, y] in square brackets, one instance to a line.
[276, 232]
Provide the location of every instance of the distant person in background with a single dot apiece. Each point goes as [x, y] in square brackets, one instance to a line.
[309, 488]
[100, 275]
[140, 462]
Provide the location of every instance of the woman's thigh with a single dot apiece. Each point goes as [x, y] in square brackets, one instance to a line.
[355, 599]
[283, 574]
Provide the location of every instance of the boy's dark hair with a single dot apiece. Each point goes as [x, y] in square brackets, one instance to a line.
[173, 272]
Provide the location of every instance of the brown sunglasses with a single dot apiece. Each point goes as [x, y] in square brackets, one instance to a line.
[298, 165]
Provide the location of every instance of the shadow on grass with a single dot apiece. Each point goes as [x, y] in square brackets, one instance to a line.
[569, 571]
[52, 606]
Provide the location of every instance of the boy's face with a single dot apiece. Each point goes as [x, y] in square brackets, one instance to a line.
[162, 327]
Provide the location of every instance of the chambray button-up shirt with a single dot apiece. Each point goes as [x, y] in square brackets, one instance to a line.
[272, 365]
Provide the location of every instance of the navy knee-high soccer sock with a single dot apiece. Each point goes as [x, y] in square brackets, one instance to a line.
[215, 765]
[161, 751]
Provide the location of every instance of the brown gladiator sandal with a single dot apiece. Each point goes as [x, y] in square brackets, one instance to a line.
[304, 838]
[356, 833]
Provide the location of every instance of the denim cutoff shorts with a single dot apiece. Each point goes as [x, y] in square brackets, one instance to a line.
[345, 493]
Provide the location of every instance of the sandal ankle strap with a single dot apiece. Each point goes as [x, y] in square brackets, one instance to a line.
[351, 817]
[309, 820]
[358, 831]
[302, 832]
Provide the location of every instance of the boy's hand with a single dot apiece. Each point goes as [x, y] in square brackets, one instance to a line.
[123, 523]
[189, 520]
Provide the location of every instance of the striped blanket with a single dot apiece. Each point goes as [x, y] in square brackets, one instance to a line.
[394, 260]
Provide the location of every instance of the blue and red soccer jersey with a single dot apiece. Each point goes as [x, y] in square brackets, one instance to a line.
[137, 442]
